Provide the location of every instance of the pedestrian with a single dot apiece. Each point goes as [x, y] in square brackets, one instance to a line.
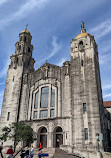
[27, 152]
[1, 147]
[22, 153]
[32, 152]
[40, 145]
[9, 152]
[40, 151]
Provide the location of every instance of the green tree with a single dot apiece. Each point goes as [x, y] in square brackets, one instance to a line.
[5, 133]
[18, 132]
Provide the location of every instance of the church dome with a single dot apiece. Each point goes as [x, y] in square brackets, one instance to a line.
[83, 32]
[27, 31]
[82, 35]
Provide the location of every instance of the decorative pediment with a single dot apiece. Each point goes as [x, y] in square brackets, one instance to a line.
[46, 68]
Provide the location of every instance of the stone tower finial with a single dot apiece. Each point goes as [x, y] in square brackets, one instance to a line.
[83, 30]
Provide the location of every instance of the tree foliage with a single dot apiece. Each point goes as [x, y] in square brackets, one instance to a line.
[18, 132]
[5, 133]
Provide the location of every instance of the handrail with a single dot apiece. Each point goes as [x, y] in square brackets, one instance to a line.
[17, 152]
[1, 155]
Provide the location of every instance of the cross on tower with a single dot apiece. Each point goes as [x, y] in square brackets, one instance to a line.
[83, 30]
[82, 25]
[26, 26]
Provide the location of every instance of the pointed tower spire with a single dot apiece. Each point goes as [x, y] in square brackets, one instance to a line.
[83, 30]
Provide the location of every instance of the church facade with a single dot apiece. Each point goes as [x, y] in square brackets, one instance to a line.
[63, 105]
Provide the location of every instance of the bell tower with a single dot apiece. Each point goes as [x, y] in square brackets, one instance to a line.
[24, 48]
[87, 103]
[21, 64]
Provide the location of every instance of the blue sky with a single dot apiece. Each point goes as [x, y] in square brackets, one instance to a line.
[53, 24]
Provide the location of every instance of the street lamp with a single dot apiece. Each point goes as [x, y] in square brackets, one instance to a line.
[98, 139]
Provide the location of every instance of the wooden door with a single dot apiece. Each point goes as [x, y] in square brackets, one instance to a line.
[43, 140]
[59, 139]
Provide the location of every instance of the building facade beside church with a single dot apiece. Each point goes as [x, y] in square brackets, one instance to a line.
[63, 105]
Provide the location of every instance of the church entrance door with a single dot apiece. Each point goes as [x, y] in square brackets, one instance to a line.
[43, 140]
[43, 137]
[58, 137]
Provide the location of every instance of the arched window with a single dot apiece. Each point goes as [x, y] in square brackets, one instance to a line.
[42, 138]
[52, 113]
[28, 49]
[43, 113]
[82, 63]
[43, 130]
[84, 108]
[52, 97]
[44, 97]
[20, 47]
[13, 78]
[81, 43]
[8, 116]
[36, 100]
[59, 129]
[58, 136]
[17, 60]
[81, 46]
[21, 38]
[86, 133]
[35, 115]
[25, 39]
[44, 103]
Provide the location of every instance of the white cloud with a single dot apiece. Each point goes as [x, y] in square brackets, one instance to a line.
[23, 11]
[106, 58]
[3, 72]
[55, 47]
[106, 87]
[3, 1]
[107, 95]
[105, 46]
[101, 29]
[104, 49]
[60, 63]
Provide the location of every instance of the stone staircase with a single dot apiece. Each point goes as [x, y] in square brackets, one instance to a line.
[55, 153]
[62, 154]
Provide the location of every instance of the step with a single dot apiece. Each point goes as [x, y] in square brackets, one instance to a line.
[62, 154]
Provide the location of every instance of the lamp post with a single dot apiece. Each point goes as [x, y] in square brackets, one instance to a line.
[98, 139]
[99, 154]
